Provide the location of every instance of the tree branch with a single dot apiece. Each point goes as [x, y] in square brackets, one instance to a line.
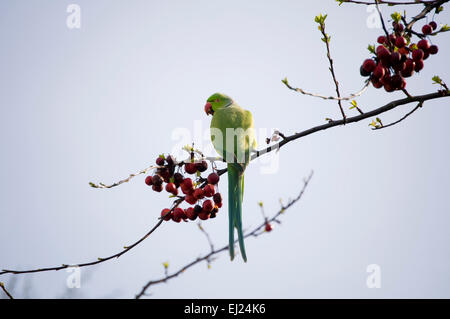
[2, 285]
[326, 39]
[257, 231]
[333, 123]
[99, 260]
[391, 3]
[404, 117]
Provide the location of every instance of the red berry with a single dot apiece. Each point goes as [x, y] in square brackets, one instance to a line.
[403, 85]
[403, 51]
[197, 209]
[190, 213]
[409, 68]
[171, 188]
[388, 87]
[187, 191]
[157, 180]
[160, 161]
[424, 45]
[395, 58]
[178, 179]
[191, 199]
[157, 188]
[381, 39]
[198, 193]
[203, 215]
[369, 65]
[417, 54]
[187, 183]
[386, 78]
[268, 227]
[419, 66]
[382, 52]
[396, 81]
[397, 26]
[190, 168]
[217, 198]
[433, 49]
[170, 161]
[399, 66]
[209, 190]
[208, 205]
[400, 42]
[379, 72]
[426, 29]
[213, 178]
[178, 213]
[376, 83]
[219, 205]
[392, 38]
[386, 62]
[148, 181]
[426, 55]
[433, 25]
[165, 214]
[363, 72]
[176, 220]
[202, 166]
[164, 173]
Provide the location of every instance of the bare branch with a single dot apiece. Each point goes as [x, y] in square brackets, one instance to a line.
[257, 231]
[99, 260]
[2, 285]
[391, 3]
[333, 123]
[344, 98]
[326, 39]
[404, 117]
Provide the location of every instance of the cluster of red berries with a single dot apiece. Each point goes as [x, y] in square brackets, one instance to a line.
[195, 193]
[396, 58]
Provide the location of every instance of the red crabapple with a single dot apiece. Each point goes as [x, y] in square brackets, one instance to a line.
[166, 214]
[148, 181]
[190, 168]
[213, 178]
[426, 29]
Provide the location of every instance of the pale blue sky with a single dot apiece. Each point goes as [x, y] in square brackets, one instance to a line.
[98, 103]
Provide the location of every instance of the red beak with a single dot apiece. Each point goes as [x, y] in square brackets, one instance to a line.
[209, 109]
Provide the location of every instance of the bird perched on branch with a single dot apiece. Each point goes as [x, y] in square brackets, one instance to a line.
[233, 137]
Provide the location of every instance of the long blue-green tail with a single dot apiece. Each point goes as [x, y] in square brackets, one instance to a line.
[235, 196]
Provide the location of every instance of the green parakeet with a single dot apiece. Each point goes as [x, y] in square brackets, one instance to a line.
[233, 137]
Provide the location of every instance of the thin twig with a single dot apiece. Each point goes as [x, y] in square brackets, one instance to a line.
[344, 98]
[99, 260]
[391, 3]
[126, 180]
[2, 285]
[404, 117]
[330, 60]
[206, 235]
[428, 7]
[257, 231]
[388, 38]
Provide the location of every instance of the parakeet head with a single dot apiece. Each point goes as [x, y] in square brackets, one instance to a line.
[217, 101]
